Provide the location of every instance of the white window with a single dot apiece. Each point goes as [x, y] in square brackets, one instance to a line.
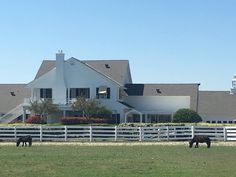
[103, 92]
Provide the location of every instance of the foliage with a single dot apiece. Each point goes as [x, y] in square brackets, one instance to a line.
[43, 107]
[172, 124]
[150, 124]
[16, 121]
[35, 108]
[90, 107]
[83, 120]
[35, 120]
[186, 115]
[103, 112]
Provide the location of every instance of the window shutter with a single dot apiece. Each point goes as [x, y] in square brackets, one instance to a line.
[97, 95]
[108, 93]
[41, 93]
[88, 92]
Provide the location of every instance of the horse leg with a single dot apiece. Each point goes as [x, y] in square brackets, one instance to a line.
[208, 144]
[196, 146]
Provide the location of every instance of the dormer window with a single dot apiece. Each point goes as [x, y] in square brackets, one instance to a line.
[107, 66]
[158, 90]
[103, 92]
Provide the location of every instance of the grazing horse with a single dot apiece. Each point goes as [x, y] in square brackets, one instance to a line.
[23, 140]
[200, 139]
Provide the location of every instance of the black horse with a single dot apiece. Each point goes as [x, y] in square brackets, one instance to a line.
[24, 140]
[200, 139]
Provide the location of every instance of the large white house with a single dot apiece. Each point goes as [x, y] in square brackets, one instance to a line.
[110, 82]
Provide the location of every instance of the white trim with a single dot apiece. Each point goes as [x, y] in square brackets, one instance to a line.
[134, 111]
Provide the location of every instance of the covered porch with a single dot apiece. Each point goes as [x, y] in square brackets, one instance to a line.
[135, 116]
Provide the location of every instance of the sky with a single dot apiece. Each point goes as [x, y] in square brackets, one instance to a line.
[165, 41]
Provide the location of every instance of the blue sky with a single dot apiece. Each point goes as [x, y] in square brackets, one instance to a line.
[166, 41]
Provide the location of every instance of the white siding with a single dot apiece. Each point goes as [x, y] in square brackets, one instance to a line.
[46, 81]
[158, 104]
[78, 75]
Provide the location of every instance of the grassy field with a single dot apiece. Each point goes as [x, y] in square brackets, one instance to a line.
[117, 161]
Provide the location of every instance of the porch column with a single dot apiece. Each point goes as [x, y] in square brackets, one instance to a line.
[145, 118]
[68, 96]
[32, 94]
[64, 113]
[24, 114]
[141, 118]
[125, 117]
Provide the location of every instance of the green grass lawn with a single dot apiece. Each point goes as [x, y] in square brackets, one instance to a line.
[120, 161]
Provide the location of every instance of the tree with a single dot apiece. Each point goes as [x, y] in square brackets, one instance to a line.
[43, 108]
[89, 107]
[35, 108]
[186, 116]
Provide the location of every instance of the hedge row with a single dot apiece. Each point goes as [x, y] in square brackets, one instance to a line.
[83, 120]
[36, 120]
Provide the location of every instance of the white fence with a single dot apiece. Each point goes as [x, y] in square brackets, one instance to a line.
[114, 133]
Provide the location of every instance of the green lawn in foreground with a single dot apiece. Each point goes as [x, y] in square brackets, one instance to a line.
[120, 161]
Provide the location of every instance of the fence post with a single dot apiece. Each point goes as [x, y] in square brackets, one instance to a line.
[140, 134]
[193, 131]
[225, 134]
[91, 134]
[167, 129]
[15, 135]
[40, 133]
[65, 128]
[115, 133]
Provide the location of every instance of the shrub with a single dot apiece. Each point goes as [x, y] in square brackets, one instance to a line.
[35, 120]
[150, 124]
[186, 115]
[15, 121]
[83, 120]
[70, 120]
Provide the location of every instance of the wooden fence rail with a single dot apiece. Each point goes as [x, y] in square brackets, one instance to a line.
[115, 133]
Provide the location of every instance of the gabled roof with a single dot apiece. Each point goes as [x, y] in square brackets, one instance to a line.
[47, 65]
[11, 95]
[114, 69]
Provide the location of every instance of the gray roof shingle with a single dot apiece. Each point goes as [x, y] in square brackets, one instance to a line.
[7, 99]
[161, 89]
[218, 103]
[46, 66]
[114, 69]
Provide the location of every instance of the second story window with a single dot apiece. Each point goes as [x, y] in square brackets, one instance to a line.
[103, 92]
[79, 92]
[46, 93]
